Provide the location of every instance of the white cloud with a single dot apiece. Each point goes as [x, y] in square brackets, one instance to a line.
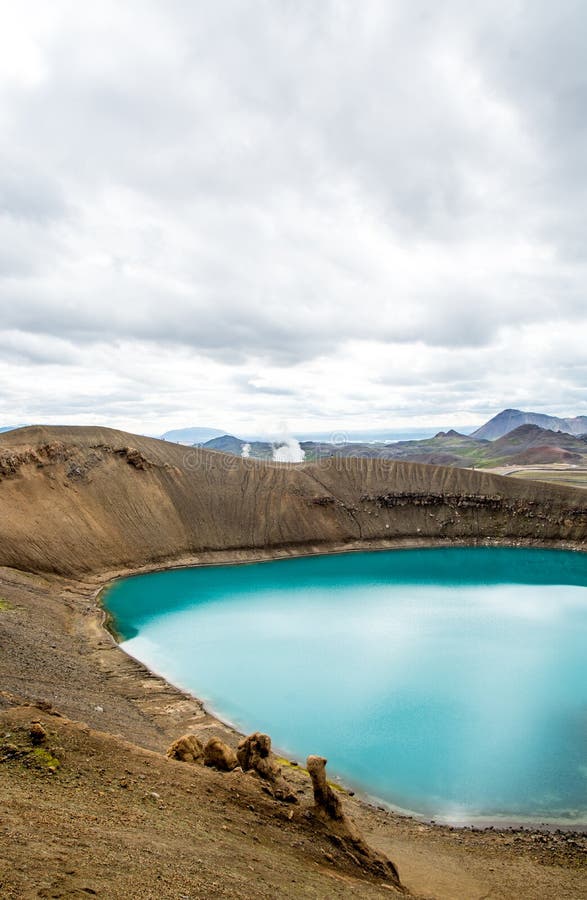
[353, 214]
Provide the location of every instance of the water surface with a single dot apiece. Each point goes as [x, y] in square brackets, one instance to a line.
[451, 682]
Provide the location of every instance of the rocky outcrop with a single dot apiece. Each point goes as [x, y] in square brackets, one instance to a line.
[513, 508]
[328, 803]
[455, 501]
[11, 462]
[254, 754]
[219, 755]
[329, 810]
[188, 748]
[134, 457]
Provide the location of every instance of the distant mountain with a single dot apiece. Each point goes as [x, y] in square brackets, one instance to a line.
[447, 448]
[370, 435]
[526, 445]
[228, 443]
[191, 435]
[530, 444]
[509, 419]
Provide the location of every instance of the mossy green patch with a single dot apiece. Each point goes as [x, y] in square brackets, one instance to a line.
[43, 759]
[17, 748]
[286, 762]
[4, 604]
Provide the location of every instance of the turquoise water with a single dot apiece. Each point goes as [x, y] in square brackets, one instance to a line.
[450, 682]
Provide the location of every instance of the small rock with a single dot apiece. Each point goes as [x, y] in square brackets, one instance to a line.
[188, 748]
[37, 733]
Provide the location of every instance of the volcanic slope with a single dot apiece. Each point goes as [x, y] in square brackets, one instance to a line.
[80, 500]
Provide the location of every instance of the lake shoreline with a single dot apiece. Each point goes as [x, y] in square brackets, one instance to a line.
[483, 823]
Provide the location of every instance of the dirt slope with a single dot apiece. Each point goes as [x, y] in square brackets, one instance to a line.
[120, 822]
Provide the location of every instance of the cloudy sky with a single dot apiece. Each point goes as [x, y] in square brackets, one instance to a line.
[331, 213]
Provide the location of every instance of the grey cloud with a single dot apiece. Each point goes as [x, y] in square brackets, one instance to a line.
[29, 195]
[249, 387]
[536, 57]
[264, 184]
[34, 349]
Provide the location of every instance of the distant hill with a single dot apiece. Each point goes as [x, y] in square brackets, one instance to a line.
[447, 448]
[193, 435]
[526, 445]
[531, 436]
[509, 419]
[228, 443]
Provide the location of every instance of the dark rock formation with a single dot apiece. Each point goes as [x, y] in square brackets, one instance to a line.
[328, 809]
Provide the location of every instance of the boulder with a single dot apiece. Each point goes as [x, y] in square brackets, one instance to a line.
[37, 733]
[188, 748]
[219, 755]
[254, 754]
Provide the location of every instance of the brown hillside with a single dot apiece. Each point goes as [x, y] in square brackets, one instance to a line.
[75, 500]
[544, 455]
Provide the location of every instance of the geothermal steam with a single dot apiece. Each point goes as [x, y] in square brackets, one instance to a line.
[288, 450]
